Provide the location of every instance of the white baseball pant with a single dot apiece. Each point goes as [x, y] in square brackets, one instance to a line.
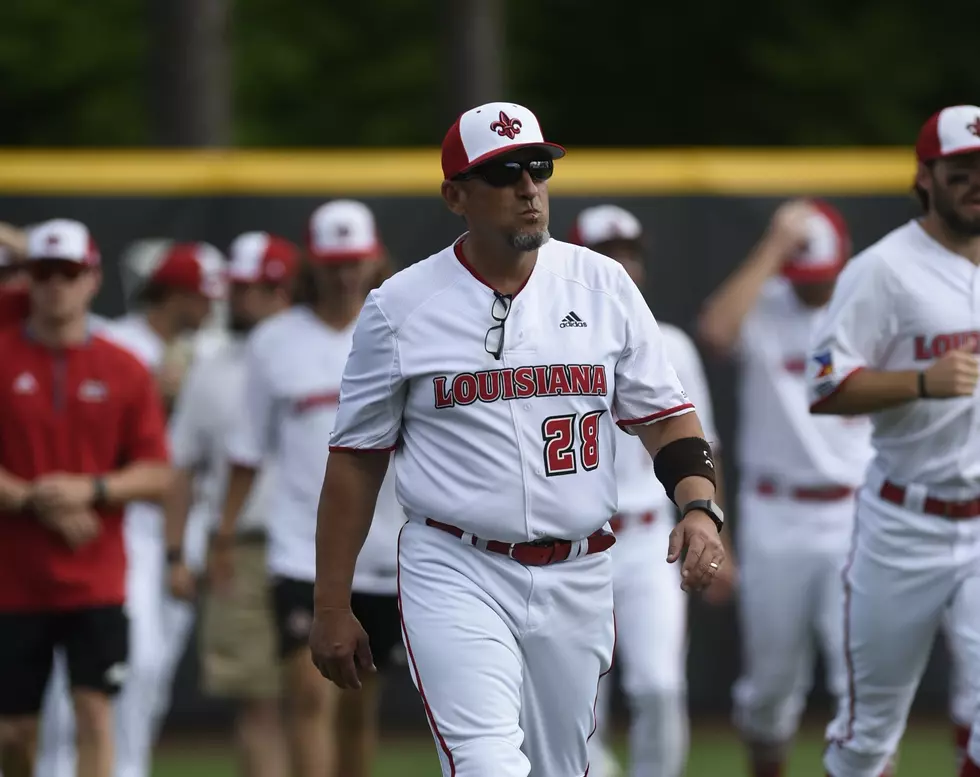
[904, 570]
[159, 629]
[651, 652]
[506, 657]
[791, 552]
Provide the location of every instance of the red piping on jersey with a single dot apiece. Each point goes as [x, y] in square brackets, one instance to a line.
[655, 416]
[837, 388]
[458, 250]
[345, 449]
[415, 668]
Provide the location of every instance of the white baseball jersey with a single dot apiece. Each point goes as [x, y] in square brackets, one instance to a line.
[294, 364]
[639, 489]
[207, 411]
[900, 305]
[777, 436]
[516, 449]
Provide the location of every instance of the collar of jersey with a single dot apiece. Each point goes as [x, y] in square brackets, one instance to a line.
[461, 258]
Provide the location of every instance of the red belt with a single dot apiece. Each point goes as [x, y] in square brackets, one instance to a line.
[532, 554]
[621, 520]
[953, 510]
[806, 493]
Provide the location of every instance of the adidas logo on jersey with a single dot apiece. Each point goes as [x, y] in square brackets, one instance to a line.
[571, 320]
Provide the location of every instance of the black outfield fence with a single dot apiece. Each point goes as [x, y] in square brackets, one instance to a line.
[702, 212]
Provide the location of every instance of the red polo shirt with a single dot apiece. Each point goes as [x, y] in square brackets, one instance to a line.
[89, 409]
[15, 304]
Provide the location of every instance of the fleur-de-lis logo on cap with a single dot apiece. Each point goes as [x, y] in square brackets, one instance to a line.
[507, 127]
[975, 127]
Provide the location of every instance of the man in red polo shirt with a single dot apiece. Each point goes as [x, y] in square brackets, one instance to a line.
[81, 434]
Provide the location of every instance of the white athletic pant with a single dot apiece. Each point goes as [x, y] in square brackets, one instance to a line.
[960, 633]
[159, 629]
[651, 653]
[791, 553]
[506, 658]
[904, 570]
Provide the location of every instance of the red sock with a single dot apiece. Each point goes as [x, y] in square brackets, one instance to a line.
[969, 769]
[767, 770]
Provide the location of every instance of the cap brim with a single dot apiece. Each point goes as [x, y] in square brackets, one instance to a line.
[58, 259]
[552, 149]
[815, 274]
[339, 257]
[958, 152]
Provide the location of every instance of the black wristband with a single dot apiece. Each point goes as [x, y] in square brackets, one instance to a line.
[923, 394]
[174, 556]
[98, 492]
[683, 458]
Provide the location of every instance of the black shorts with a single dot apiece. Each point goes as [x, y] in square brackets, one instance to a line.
[378, 615]
[95, 641]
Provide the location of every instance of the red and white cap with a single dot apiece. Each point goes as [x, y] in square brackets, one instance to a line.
[949, 132]
[602, 223]
[828, 246]
[342, 231]
[63, 240]
[488, 130]
[258, 257]
[194, 267]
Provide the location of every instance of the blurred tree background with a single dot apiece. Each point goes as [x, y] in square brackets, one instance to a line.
[295, 73]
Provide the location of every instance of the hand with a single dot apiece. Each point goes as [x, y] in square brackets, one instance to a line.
[722, 588]
[698, 535]
[181, 582]
[60, 492]
[221, 563]
[76, 527]
[788, 229]
[954, 374]
[340, 646]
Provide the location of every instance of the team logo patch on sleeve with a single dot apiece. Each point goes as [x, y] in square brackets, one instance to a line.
[825, 364]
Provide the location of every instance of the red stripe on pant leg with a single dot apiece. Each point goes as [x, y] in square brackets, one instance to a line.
[595, 722]
[415, 668]
[970, 769]
[848, 658]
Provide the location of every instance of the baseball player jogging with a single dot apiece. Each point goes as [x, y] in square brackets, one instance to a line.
[899, 342]
[293, 369]
[239, 659]
[494, 369]
[651, 609]
[81, 434]
[798, 472]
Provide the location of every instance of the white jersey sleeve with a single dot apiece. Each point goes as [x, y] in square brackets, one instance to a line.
[188, 425]
[856, 330]
[372, 392]
[647, 387]
[252, 435]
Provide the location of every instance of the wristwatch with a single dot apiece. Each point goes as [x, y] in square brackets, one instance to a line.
[706, 506]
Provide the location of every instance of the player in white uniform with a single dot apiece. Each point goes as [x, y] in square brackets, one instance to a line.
[239, 659]
[503, 425]
[651, 609]
[799, 474]
[899, 342]
[175, 301]
[294, 365]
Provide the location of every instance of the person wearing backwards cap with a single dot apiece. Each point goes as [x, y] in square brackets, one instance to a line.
[799, 474]
[238, 655]
[293, 368]
[82, 434]
[899, 341]
[651, 609]
[496, 370]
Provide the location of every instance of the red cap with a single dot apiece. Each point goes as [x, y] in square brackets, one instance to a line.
[258, 257]
[488, 131]
[949, 132]
[604, 223]
[828, 247]
[195, 267]
[62, 240]
[342, 231]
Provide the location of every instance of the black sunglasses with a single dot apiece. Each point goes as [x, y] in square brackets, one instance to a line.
[500, 309]
[45, 271]
[500, 174]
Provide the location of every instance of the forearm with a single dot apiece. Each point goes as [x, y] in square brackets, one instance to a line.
[658, 435]
[14, 492]
[143, 481]
[240, 480]
[868, 391]
[346, 509]
[719, 499]
[177, 507]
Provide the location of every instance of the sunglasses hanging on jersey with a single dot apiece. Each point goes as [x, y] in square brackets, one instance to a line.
[500, 309]
[501, 174]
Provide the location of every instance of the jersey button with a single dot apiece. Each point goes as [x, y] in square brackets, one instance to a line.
[538, 471]
[527, 405]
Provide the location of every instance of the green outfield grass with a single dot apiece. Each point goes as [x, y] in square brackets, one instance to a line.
[926, 752]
